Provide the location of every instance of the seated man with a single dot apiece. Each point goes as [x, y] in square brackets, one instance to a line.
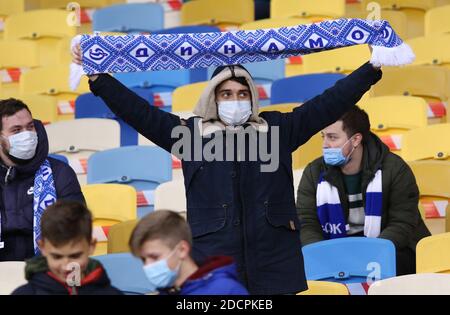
[163, 241]
[360, 188]
[29, 180]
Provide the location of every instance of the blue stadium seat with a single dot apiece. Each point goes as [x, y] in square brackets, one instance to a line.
[350, 259]
[302, 88]
[126, 273]
[143, 167]
[129, 18]
[90, 106]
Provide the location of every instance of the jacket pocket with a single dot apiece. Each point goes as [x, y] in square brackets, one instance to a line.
[206, 220]
[282, 215]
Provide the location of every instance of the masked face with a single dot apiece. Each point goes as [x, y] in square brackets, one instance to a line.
[335, 156]
[337, 147]
[234, 103]
[23, 145]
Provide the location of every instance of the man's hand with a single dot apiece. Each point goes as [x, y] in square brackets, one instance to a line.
[77, 59]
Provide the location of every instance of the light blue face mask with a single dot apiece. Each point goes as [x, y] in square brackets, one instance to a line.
[335, 157]
[159, 273]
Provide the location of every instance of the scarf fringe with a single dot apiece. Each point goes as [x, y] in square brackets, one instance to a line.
[392, 56]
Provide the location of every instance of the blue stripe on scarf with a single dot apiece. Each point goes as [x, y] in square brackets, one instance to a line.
[373, 204]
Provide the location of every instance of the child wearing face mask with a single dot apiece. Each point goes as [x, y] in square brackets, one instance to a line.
[163, 241]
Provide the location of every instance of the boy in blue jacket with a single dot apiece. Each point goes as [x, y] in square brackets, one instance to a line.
[163, 241]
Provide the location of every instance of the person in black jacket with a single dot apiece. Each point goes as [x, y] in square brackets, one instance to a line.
[65, 267]
[239, 203]
[24, 148]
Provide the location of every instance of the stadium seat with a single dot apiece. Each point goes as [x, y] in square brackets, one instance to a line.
[45, 27]
[433, 180]
[130, 18]
[42, 107]
[12, 274]
[325, 288]
[143, 167]
[439, 55]
[343, 60]
[119, 235]
[309, 151]
[274, 23]
[12, 7]
[429, 142]
[59, 157]
[53, 81]
[415, 284]
[188, 29]
[126, 273]
[171, 196]
[303, 87]
[185, 98]
[61, 4]
[313, 10]
[226, 13]
[433, 255]
[297, 174]
[154, 79]
[392, 116]
[350, 259]
[109, 204]
[437, 20]
[78, 139]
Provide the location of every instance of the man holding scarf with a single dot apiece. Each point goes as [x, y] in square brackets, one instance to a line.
[29, 181]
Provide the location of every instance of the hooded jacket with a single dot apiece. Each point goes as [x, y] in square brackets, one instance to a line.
[401, 221]
[41, 281]
[216, 276]
[16, 198]
[233, 208]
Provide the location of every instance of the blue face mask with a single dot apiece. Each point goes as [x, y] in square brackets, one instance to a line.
[160, 275]
[335, 157]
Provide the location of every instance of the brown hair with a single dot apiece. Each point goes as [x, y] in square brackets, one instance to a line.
[164, 225]
[10, 107]
[66, 221]
[354, 121]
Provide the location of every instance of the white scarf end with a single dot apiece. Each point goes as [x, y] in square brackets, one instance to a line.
[394, 56]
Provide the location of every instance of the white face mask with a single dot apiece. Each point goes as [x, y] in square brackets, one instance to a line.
[23, 145]
[234, 113]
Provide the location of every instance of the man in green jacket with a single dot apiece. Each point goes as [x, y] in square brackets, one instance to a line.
[359, 188]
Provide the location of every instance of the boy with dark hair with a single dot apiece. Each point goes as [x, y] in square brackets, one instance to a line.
[65, 267]
[360, 188]
[30, 180]
[163, 241]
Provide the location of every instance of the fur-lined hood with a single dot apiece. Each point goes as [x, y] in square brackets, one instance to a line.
[207, 107]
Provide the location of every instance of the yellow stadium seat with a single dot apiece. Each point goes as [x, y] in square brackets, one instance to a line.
[437, 20]
[343, 60]
[60, 4]
[433, 180]
[414, 10]
[430, 82]
[12, 274]
[415, 284]
[391, 116]
[119, 235]
[53, 81]
[433, 254]
[309, 151]
[45, 27]
[273, 23]
[186, 97]
[313, 10]
[11, 7]
[223, 13]
[447, 218]
[431, 142]
[325, 288]
[42, 107]
[110, 204]
[78, 139]
[431, 50]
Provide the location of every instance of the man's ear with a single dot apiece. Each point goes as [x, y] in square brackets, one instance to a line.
[184, 249]
[357, 139]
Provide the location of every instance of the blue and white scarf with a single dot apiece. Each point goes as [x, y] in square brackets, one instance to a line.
[331, 214]
[133, 53]
[44, 194]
